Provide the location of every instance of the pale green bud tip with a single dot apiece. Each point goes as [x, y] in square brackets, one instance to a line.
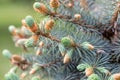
[11, 28]
[66, 41]
[35, 78]
[87, 45]
[93, 77]
[6, 53]
[81, 67]
[29, 21]
[37, 4]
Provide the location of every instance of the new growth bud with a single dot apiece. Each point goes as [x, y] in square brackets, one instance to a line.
[77, 17]
[66, 59]
[89, 71]
[49, 25]
[12, 29]
[81, 67]
[7, 53]
[67, 42]
[70, 5]
[16, 59]
[41, 44]
[116, 76]
[54, 3]
[38, 52]
[93, 77]
[87, 45]
[40, 7]
[68, 56]
[31, 25]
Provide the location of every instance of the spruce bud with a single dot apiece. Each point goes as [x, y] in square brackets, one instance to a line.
[77, 17]
[54, 3]
[31, 25]
[67, 42]
[7, 53]
[93, 77]
[40, 7]
[68, 56]
[87, 45]
[49, 25]
[89, 71]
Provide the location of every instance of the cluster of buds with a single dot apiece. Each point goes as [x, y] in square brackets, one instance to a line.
[49, 25]
[67, 54]
[16, 33]
[16, 59]
[87, 45]
[67, 42]
[41, 8]
[20, 35]
[88, 69]
[23, 32]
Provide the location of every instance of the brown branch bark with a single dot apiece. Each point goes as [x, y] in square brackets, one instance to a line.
[47, 35]
[70, 19]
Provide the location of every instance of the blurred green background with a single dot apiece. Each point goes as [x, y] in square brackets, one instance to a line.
[11, 13]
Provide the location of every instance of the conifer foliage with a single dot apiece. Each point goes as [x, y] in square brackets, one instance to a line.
[74, 40]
